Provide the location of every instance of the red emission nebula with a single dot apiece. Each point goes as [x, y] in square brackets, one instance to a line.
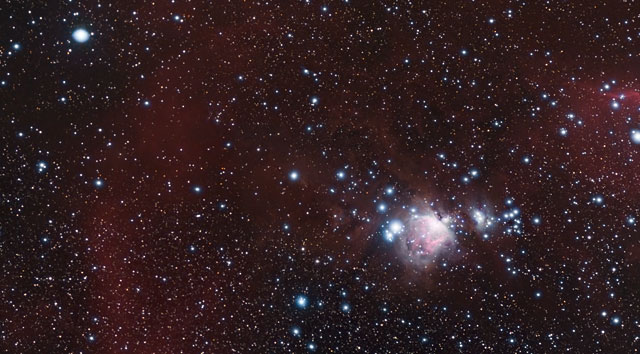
[334, 177]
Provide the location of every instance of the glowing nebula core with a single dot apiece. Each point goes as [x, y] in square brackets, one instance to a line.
[426, 236]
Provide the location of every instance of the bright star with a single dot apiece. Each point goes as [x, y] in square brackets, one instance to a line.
[311, 346]
[301, 301]
[395, 227]
[80, 35]
[42, 166]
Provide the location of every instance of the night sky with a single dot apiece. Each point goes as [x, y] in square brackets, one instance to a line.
[305, 176]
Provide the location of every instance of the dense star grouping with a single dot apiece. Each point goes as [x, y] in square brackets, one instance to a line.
[339, 176]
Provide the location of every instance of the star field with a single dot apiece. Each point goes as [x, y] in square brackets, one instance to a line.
[332, 177]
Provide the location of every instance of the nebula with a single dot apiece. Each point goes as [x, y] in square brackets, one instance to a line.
[424, 237]
[336, 176]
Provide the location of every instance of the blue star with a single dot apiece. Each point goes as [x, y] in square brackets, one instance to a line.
[635, 136]
[615, 104]
[41, 166]
[296, 331]
[301, 301]
[312, 347]
[80, 35]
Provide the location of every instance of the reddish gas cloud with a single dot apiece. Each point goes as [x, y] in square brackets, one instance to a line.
[425, 237]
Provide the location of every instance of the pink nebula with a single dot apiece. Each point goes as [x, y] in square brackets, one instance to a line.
[426, 236]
